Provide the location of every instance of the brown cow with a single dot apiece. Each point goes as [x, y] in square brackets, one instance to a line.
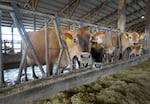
[138, 49]
[129, 39]
[100, 48]
[38, 41]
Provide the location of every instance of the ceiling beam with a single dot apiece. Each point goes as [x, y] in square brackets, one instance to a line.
[31, 4]
[101, 19]
[136, 25]
[113, 13]
[95, 10]
[69, 8]
[129, 15]
[134, 20]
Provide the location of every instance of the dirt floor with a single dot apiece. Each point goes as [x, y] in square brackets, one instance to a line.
[130, 86]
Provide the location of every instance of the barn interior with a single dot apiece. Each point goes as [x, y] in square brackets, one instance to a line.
[126, 15]
[34, 15]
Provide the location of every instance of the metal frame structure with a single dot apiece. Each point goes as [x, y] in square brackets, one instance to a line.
[56, 21]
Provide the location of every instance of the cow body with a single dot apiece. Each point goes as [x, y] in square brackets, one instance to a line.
[38, 41]
[104, 47]
[100, 48]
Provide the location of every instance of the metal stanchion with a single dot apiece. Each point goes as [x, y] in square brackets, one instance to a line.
[1, 68]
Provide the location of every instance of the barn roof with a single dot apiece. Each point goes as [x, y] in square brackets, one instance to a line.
[102, 12]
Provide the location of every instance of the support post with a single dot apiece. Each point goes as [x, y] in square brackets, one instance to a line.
[1, 68]
[147, 26]
[121, 15]
[47, 48]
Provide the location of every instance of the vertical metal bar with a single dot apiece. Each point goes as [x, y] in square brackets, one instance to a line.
[47, 48]
[58, 33]
[34, 23]
[12, 34]
[1, 69]
[106, 32]
[81, 23]
[110, 35]
[23, 61]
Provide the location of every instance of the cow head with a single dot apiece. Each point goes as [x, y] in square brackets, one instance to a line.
[97, 46]
[83, 35]
[78, 43]
[133, 38]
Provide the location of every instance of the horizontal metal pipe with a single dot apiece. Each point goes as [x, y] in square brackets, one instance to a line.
[33, 91]
[5, 7]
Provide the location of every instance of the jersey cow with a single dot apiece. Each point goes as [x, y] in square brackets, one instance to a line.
[101, 48]
[78, 45]
[104, 45]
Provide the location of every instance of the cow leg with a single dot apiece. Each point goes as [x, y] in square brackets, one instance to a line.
[33, 71]
[107, 58]
[74, 60]
[25, 73]
[86, 65]
[51, 69]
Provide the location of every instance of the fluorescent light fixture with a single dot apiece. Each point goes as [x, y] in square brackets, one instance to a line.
[142, 17]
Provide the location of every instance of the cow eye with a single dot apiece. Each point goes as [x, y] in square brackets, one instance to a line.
[130, 37]
[76, 40]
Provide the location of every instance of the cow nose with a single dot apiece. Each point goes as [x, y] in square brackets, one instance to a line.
[81, 56]
[85, 57]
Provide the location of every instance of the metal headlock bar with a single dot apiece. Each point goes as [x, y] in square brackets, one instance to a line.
[25, 38]
[110, 35]
[47, 48]
[56, 22]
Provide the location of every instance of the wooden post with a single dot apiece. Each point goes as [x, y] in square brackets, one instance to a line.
[121, 15]
[147, 25]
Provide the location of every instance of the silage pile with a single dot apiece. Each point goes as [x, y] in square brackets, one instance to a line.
[130, 86]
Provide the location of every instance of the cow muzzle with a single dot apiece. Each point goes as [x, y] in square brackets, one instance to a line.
[135, 44]
[85, 57]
